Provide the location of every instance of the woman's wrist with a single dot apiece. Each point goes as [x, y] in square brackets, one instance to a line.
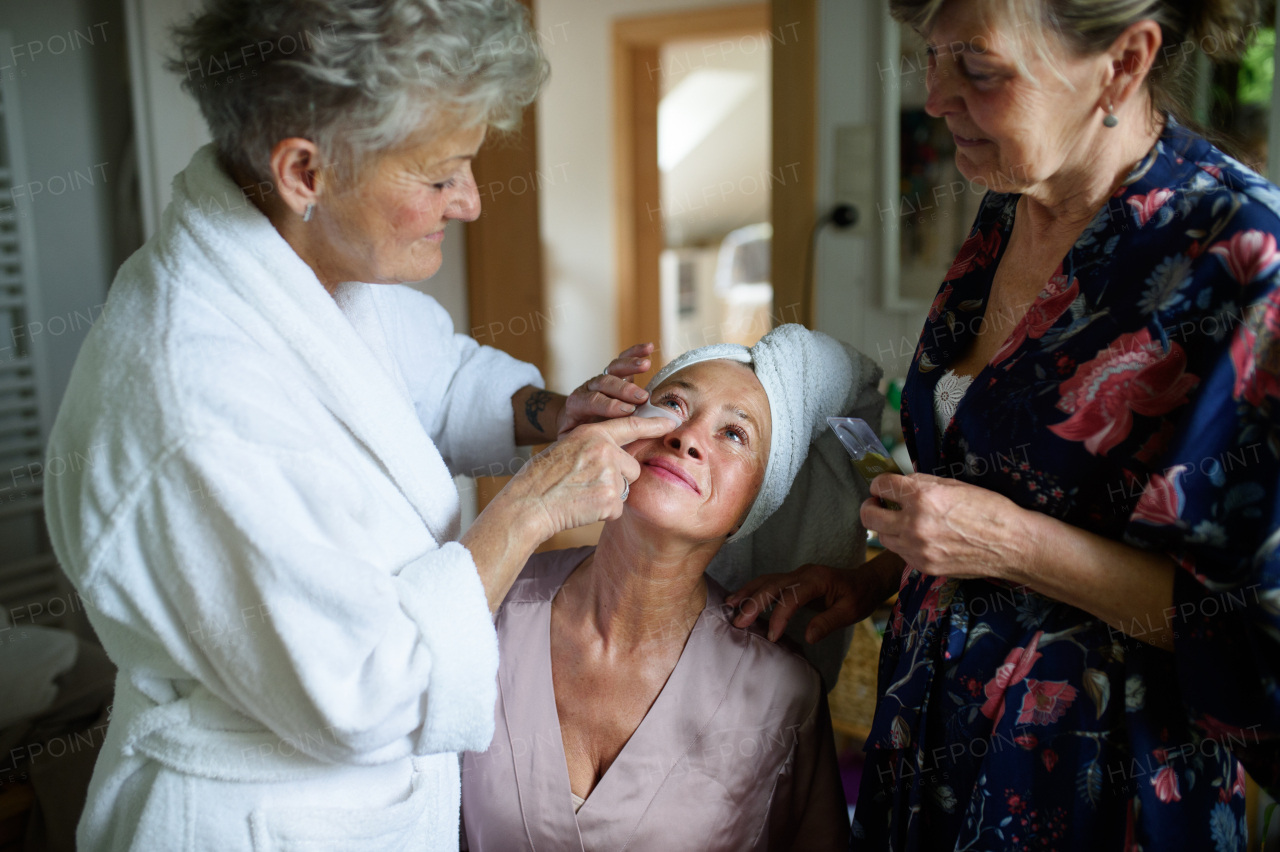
[522, 517]
[1023, 547]
[556, 406]
[501, 540]
[538, 415]
[1079, 568]
[883, 573]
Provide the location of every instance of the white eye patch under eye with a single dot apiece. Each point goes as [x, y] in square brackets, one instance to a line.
[651, 410]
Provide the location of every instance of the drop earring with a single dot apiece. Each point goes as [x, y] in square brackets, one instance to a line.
[1110, 120]
[306, 216]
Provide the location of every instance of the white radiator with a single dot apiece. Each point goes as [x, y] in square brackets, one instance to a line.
[32, 587]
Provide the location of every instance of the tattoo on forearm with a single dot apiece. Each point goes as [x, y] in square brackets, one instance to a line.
[535, 405]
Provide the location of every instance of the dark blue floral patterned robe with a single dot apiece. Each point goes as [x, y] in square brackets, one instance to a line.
[1140, 399]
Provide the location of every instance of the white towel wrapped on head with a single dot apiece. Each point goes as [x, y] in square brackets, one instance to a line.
[807, 510]
[807, 376]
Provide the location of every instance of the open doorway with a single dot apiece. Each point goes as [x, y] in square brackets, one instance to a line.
[716, 184]
[694, 176]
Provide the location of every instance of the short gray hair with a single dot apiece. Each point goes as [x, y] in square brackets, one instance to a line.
[356, 77]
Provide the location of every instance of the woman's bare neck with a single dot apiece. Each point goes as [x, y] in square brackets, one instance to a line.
[638, 589]
[1061, 207]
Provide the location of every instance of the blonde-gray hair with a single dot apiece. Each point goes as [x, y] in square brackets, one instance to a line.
[356, 77]
[1218, 28]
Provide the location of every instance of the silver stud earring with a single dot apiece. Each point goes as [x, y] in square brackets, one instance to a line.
[1110, 120]
[306, 216]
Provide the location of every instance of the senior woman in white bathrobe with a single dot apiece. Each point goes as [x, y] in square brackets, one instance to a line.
[267, 539]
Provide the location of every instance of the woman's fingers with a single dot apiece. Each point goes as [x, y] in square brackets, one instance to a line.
[580, 479]
[591, 406]
[640, 350]
[602, 456]
[617, 388]
[748, 589]
[600, 398]
[756, 596]
[625, 368]
[632, 362]
[879, 519]
[624, 430]
[628, 467]
[785, 593]
[893, 486]
[609, 395]
[839, 615]
[791, 600]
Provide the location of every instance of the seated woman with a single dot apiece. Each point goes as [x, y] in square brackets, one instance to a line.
[631, 713]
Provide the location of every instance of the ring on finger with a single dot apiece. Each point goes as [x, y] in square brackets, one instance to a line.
[626, 488]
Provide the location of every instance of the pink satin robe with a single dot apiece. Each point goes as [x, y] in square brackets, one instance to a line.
[735, 754]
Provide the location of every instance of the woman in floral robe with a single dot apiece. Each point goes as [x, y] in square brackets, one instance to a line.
[1085, 647]
[1029, 720]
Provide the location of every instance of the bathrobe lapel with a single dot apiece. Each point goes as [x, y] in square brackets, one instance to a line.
[339, 338]
[660, 748]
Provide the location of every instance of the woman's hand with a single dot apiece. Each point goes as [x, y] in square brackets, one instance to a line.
[848, 595]
[579, 479]
[608, 395]
[949, 528]
[576, 481]
[542, 416]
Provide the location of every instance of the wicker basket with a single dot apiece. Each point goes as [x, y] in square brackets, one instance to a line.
[853, 701]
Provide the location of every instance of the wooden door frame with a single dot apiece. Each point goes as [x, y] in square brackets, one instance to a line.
[505, 298]
[793, 205]
[505, 290]
[637, 44]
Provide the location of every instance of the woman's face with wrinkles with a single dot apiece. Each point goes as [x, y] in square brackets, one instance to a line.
[700, 479]
[1012, 129]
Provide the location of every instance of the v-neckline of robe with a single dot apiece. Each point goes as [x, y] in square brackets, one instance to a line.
[646, 759]
[988, 373]
[929, 440]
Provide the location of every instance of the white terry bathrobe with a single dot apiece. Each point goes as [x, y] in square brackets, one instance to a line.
[249, 484]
